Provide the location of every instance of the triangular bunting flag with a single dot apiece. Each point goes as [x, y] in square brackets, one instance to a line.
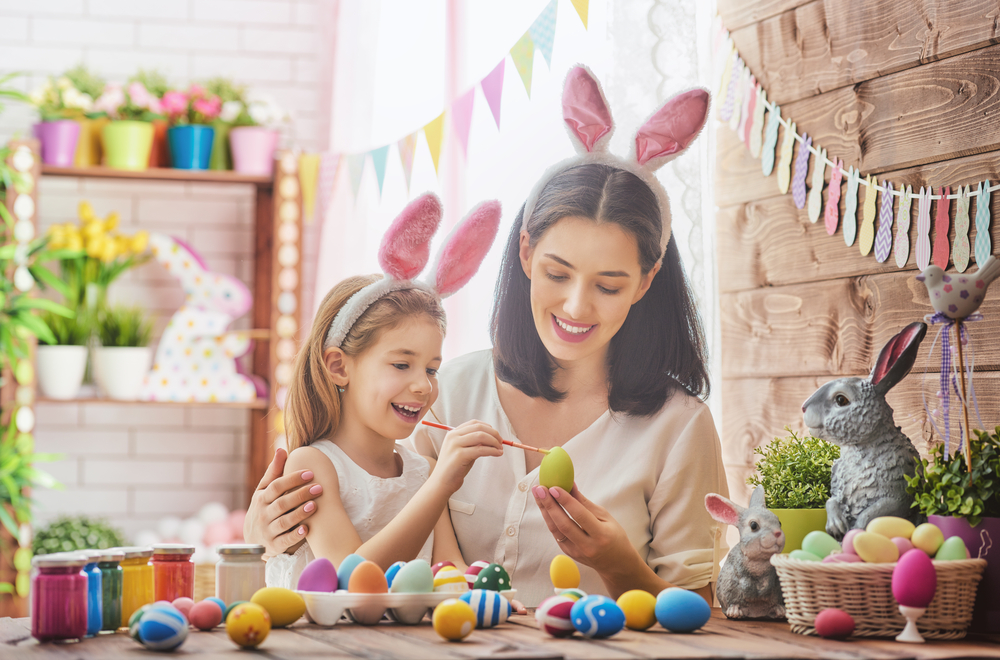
[407, 147]
[356, 168]
[378, 160]
[543, 31]
[461, 118]
[434, 132]
[328, 166]
[492, 86]
[523, 54]
[308, 174]
[581, 9]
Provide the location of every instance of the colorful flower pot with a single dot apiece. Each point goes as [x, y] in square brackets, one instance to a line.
[983, 542]
[159, 153]
[796, 523]
[190, 146]
[59, 140]
[88, 147]
[253, 149]
[127, 144]
[221, 158]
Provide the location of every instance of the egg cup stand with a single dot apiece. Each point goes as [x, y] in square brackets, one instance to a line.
[865, 592]
[326, 608]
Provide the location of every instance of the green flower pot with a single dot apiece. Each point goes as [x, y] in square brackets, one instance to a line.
[796, 523]
[127, 144]
[221, 159]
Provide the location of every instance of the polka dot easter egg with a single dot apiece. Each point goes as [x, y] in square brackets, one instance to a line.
[490, 607]
[494, 578]
[441, 564]
[597, 616]
[553, 616]
[564, 573]
[472, 572]
[162, 628]
[453, 620]
[450, 580]
[248, 624]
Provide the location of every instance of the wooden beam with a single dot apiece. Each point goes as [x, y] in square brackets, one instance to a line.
[738, 13]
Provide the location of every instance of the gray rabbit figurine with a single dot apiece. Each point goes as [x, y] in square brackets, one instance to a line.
[875, 454]
[748, 586]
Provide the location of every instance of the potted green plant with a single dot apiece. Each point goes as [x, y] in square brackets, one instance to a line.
[128, 137]
[59, 104]
[124, 356]
[88, 146]
[68, 533]
[795, 473]
[231, 114]
[190, 135]
[60, 364]
[254, 137]
[967, 505]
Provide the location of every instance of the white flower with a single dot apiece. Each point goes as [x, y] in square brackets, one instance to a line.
[264, 110]
[76, 99]
[64, 83]
[230, 111]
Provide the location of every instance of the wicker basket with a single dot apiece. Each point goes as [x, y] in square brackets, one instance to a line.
[204, 581]
[865, 592]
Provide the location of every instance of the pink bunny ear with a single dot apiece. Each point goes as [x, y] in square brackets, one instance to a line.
[722, 509]
[405, 248]
[465, 249]
[585, 111]
[671, 128]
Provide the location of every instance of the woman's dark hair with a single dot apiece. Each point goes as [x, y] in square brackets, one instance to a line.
[661, 345]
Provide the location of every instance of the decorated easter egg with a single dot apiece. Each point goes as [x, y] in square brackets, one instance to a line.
[493, 577]
[472, 572]
[834, 623]
[367, 578]
[848, 541]
[453, 619]
[222, 605]
[450, 580]
[556, 470]
[346, 568]
[575, 594]
[248, 624]
[319, 575]
[890, 526]
[804, 555]
[681, 611]
[842, 558]
[441, 564]
[205, 615]
[284, 605]
[927, 537]
[597, 616]
[914, 580]
[875, 548]
[133, 621]
[414, 578]
[953, 548]
[820, 544]
[390, 574]
[491, 608]
[639, 608]
[233, 606]
[162, 628]
[183, 604]
[903, 545]
[564, 573]
[553, 615]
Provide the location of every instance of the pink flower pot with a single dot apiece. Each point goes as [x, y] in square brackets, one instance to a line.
[58, 141]
[253, 149]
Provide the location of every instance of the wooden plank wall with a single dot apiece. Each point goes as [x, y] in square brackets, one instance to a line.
[907, 90]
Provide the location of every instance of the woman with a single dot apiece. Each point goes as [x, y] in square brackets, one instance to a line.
[598, 349]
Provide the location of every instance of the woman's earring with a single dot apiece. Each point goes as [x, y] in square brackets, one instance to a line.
[340, 389]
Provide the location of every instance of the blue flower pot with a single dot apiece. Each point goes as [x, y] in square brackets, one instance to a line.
[191, 146]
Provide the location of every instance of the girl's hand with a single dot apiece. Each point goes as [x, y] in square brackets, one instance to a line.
[591, 536]
[460, 449]
[279, 506]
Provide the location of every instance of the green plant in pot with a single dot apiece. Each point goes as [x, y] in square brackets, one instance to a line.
[124, 357]
[61, 363]
[68, 533]
[795, 473]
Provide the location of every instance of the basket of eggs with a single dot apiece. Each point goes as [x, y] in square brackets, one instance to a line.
[877, 570]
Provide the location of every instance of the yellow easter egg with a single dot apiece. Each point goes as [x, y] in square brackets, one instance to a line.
[564, 573]
[927, 537]
[248, 624]
[639, 607]
[875, 548]
[284, 605]
[891, 527]
[556, 470]
[453, 619]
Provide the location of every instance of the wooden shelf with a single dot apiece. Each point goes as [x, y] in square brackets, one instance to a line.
[259, 404]
[161, 174]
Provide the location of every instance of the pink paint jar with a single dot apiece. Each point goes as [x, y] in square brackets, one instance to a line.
[58, 597]
[173, 571]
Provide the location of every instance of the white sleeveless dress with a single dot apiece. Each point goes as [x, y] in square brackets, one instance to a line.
[370, 501]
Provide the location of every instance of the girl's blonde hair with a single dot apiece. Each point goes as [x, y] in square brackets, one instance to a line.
[313, 409]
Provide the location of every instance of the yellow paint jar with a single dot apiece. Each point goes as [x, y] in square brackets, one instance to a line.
[137, 580]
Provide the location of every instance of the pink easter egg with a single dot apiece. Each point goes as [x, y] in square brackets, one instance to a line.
[183, 604]
[914, 580]
[205, 615]
[904, 545]
[217, 532]
[236, 519]
[841, 558]
[847, 545]
[834, 623]
[441, 564]
[319, 575]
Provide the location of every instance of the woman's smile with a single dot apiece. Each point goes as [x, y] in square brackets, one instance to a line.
[572, 332]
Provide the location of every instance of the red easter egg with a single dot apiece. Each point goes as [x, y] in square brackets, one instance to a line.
[183, 605]
[553, 616]
[914, 580]
[438, 566]
[205, 615]
[848, 543]
[834, 624]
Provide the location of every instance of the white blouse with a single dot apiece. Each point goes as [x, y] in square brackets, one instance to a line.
[650, 473]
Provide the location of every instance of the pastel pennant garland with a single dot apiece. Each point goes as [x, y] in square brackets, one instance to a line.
[866, 236]
[523, 54]
[434, 132]
[729, 102]
[356, 168]
[328, 167]
[543, 30]
[461, 118]
[581, 7]
[883, 238]
[770, 141]
[492, 86]
[407, 148]
[962, 251]
[851, 207]
[942, 224]
[801, 168]
[308, 177]
[983, 247]
[741, 86]
[903, 227]
[831, 215]
[923, 247]
[785, 161]
[815, 203]
[729, 63]
[749, 96]
[379, 157]
[756, 141]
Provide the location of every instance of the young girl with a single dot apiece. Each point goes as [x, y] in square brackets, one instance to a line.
[366, 377]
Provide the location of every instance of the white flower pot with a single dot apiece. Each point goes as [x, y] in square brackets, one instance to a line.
[119, 370]
[60, 370]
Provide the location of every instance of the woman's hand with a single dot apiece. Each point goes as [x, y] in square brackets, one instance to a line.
[278, 507]
[584, 531]
[460, 449]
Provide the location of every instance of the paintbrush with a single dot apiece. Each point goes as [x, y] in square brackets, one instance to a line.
[443, 427]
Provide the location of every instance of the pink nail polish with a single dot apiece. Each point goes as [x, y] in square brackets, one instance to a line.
[309, 506]
[316, 490]
[302, 530]
[307, 475]
[539, 492]
[555, 492]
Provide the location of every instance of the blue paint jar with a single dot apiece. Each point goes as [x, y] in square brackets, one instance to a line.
[95, 592]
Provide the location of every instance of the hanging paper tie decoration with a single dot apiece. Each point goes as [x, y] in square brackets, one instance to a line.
[962, 248]
[903, 233]
[883, 239]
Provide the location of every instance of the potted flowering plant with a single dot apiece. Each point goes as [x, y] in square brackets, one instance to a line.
[88, 146]
[59, 103]
[190, 135]
[156, 84]
[233, 105]
[255, 136]
[128, 137]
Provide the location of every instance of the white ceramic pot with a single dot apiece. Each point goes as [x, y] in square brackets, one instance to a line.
[60, 370]
[119, 370]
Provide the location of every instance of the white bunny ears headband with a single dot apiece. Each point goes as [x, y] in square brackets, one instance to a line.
[661, 138]
[404, 253]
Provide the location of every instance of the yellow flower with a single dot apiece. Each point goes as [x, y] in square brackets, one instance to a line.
[95, 246]
[85, 211]
[109, 252]
[111, 221]
[74, 242]
[140, 241]
[93, 228]
[122, 244]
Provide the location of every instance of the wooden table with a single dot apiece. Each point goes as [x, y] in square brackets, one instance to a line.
[518, 638]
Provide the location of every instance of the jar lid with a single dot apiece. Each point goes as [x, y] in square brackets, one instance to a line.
[135, 551]
[92, 554]
[173, 549]
[240, 549]
[112, 554]
[59, 560]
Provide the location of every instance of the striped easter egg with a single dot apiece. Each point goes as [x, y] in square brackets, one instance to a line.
[449, 579]
[472, 572]
[162, 628]
[490, 607]
[553, 616]
[597, 616]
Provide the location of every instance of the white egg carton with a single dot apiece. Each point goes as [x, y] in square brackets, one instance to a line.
[326, 608]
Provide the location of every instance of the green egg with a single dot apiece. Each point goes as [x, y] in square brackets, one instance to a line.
[231, 607]
[953, 548]
[820, 543]
[804, 555]
[556, 470]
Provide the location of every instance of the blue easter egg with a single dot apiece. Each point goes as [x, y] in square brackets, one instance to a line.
[162, 628]
[490, 607]
[681, 611]
[390, 574]
[218, 601]
[597, 616]
[346, 568]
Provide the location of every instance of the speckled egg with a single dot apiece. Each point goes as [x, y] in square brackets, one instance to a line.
[493, 577]
[834, 623]
[284, 605]
[639, 607]
[553, 616]
[804, 555]
[681, 611]
[162, 628]
[953, 548]
[248, 624]
[454, 620]
[564, 573]
[914, 580]
[472, 572]
[183, 605]
[575, 594]
[847, 543]
[597, 616]
[319, 575]
[441, 564]
[490, 607]
[556, 470]
[205, 615]
[367, 578]
[390, 574]
[346, 568]
[820, 544]
[414, 578]
[927, 537]
[875, 548]
[450, 580]
[890, 526]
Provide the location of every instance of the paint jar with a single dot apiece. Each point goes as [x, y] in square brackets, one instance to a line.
[95, 591]
[111, 588]
[58, 597]
[173, 571]
[240, 572]
[137, 580]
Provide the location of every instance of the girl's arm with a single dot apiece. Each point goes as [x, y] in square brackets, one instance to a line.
[445, 544]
